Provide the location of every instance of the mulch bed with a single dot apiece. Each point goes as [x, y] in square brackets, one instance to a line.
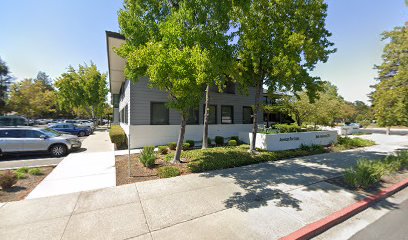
[23, 186]
[139, 173]
[385, 182]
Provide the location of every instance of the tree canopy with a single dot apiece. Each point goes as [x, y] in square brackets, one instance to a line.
[390, 97]
[84, 88]
[5, 81]
[279, 43]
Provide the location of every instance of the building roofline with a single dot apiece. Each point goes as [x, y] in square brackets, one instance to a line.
[115, 35]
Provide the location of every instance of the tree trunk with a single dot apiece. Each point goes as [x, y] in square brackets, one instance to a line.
[267, 119]
[206, 114]
[180, 139]
[388, 130]
[255, 118]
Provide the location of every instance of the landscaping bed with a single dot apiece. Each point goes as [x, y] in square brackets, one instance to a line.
[24, 185]
[197, 160]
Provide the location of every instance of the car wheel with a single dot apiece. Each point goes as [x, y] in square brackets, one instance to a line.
[81, 134]
[58, 150]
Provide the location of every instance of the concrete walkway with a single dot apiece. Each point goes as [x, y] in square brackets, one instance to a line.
[82, 171]
[261, 201]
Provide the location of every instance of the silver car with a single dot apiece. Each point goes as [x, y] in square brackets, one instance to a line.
[29, 139]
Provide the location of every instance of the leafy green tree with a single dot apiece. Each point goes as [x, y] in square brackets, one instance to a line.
[162, 45]
[45, 79]
[5, 81]
[390, 97]
[32, 99]
[85, 88]
[279, 42]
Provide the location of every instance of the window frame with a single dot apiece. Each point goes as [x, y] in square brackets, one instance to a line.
[232, 113]
[252, 113]
[197, 113]
[216, 114]
[151, 113]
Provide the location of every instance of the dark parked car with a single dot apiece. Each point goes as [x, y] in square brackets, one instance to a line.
[70, 129]
[13, 121]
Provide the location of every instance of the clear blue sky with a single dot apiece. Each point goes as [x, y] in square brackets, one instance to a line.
[49, 35]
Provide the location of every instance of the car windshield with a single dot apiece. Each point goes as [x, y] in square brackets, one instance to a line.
[51, 132]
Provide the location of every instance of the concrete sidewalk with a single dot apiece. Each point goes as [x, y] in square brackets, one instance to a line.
[261, 201]
[82, 171]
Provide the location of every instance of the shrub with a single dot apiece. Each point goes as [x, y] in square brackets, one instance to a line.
[168, 171]
[288, 128]
[118, 136]
[344, 143]
[312, 148]
[191, 142]
[147, 156]
[232, 143]
[22, 170]
[185, 146]
[21, 175]
[209, 141]
[172, 145]
[365, 173]
[8, 179]
[35, 171]
[169, 157]
[219, 141]
[163, 149]
[236, 138]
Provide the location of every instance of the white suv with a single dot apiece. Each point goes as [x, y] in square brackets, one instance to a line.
[28, 139]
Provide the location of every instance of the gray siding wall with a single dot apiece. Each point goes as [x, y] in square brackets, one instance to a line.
[141, 96]
[125, 98]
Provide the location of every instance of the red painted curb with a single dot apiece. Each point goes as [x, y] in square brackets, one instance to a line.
[322, 225]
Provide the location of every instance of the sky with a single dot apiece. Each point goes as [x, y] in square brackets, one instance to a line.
[50, 35]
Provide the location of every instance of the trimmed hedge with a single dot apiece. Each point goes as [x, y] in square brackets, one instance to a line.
[219, 141]
[232, 143]
[118, 136]
[191, 142]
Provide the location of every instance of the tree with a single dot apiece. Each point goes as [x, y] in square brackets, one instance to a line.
[45, 79]
[161, 44]
[390, 97]
[5, 81]
[32, 99]
[279, 43]
[85, 88]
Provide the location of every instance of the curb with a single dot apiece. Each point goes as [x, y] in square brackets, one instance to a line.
[324, 224]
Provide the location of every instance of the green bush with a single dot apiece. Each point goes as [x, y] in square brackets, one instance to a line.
[168, 171]
[8, 179]
[219, 141]
[191, 142]
[22, 170]
[288, 128]
[147, 156]
[209, 141]
[344, 143]
[185, 146]
[232, 143]
[118, 136]
[236, 138]
[312, 148]
[364, 174]
[163, 150]
[35, 171]
[21, 175]
[172, 145]
[169, 157]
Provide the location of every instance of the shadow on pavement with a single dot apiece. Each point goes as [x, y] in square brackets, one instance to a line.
[268, 181]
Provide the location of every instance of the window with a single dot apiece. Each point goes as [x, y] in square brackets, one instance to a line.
[127, 114]
[193, 116]
[229, 87]
[247, 115]
[212, 116]
[159, 113]
[33, 134]
[11, 134]
[227, 114]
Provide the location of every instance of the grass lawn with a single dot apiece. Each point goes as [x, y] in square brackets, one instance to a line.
[198, 160]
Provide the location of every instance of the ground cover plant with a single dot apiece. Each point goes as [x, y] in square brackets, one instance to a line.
[344, 143]
[168, 171]
[369, 172]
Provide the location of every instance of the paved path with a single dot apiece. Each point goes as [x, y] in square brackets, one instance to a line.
[81, 171]
[262, 201]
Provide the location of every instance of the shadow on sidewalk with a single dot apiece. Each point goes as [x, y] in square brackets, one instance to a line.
[268, 181]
